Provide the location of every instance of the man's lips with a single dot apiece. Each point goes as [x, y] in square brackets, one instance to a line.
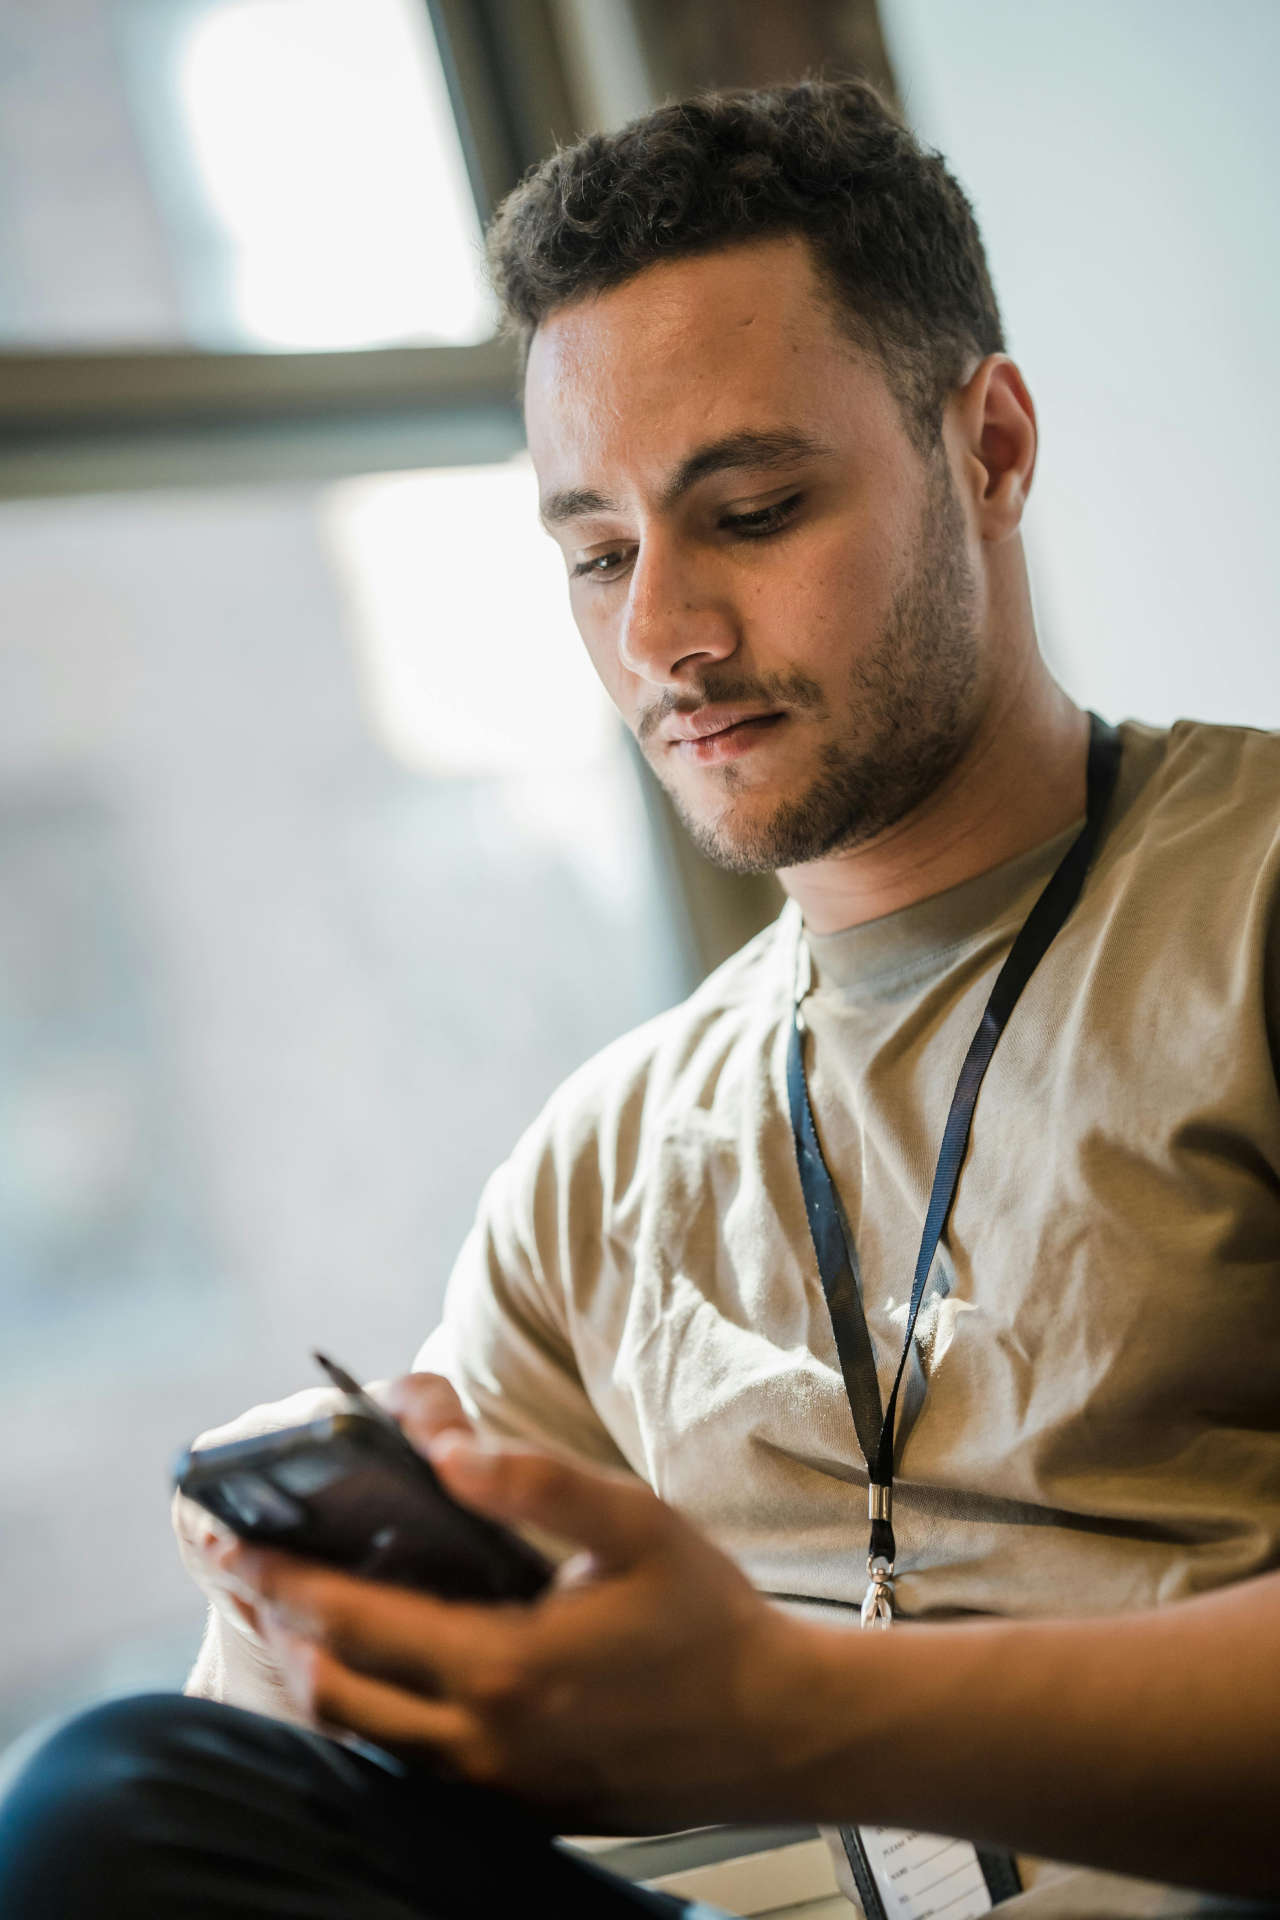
[719, 733]
[711, 720]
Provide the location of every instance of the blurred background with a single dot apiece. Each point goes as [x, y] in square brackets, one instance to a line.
[322, 858]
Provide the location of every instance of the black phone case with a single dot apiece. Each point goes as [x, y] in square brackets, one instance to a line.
[352, 1491]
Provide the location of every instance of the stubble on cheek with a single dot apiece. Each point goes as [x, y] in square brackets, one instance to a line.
[894, 726]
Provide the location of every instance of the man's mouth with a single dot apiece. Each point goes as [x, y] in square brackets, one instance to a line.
[718, 733]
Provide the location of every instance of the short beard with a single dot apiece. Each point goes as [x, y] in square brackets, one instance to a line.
[915, 691]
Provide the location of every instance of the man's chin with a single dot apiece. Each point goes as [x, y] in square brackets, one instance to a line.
[744, 840]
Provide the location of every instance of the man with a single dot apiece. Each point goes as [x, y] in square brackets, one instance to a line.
[785, 456]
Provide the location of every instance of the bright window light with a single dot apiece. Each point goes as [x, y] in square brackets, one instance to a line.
[459, 612]
[324, 140]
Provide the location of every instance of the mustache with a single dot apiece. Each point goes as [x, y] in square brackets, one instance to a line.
[794, 692]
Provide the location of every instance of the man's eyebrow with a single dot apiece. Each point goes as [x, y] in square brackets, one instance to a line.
[747, 449]
[573, 503]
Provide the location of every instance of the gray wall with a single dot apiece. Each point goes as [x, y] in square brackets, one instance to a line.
[1123, 160]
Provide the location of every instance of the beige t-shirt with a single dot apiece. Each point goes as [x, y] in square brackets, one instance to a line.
[1092, 1420]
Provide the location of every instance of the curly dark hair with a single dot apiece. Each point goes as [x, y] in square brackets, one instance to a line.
[892, 233]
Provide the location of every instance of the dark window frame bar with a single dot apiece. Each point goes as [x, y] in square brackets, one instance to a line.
[84, 421]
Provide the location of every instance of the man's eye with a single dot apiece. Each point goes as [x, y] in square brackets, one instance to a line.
[764, 520]
[601, 566]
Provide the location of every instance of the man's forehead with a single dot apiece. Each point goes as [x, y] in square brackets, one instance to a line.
[682, 356]
[739, 302]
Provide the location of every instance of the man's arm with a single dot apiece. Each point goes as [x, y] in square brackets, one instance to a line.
[1147, 1743]
[654, 1688]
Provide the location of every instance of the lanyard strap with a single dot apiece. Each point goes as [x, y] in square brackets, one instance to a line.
[833, 1247]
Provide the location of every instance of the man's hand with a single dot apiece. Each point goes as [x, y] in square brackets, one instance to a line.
[237, 1664]
[651, 1687]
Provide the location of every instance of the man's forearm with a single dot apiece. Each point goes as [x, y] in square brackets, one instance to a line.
[1149, 1744]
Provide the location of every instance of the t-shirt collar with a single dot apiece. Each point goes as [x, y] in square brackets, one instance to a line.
[881, 956]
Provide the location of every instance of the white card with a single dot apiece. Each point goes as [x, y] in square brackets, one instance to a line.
[921, 1876]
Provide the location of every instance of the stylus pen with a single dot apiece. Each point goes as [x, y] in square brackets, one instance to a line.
[341, 1378]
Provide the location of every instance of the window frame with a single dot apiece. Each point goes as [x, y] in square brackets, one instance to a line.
[89, 421]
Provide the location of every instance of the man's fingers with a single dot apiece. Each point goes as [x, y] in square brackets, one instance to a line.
[336, 1695]
[616, 1518]
[193, 1525]
[425, 1404]
[431, 1647]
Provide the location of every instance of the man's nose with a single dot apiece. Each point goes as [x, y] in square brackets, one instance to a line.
[674, 617]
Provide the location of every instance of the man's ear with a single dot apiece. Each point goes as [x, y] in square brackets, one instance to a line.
[994, 420]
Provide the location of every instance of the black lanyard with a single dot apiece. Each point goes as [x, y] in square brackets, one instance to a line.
[835, 1255]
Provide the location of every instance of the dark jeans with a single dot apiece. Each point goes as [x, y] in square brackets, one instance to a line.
[164, 1805]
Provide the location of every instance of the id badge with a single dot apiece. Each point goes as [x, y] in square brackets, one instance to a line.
[903, 1875]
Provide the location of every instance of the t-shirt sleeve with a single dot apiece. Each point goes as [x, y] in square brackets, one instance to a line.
[503, 1339]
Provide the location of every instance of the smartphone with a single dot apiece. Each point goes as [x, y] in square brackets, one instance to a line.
[349, 1489]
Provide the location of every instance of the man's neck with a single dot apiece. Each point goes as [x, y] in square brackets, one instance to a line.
[1020, 781]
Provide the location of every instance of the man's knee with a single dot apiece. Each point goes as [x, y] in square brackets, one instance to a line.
[69, 1815]
[115, 1795]
[163, 1802]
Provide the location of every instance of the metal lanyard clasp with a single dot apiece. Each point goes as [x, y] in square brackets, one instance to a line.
[877, 1602]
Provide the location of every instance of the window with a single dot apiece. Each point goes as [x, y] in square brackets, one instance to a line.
[322, 857]
[268, 174]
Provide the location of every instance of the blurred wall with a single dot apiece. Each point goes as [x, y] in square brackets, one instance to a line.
[1122, 160]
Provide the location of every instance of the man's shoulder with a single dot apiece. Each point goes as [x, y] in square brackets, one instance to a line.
[698, 1053]
[1199, 786]
[736, 1006]
[1202, 758]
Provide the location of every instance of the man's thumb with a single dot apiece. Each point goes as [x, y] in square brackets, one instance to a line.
[616, 1517]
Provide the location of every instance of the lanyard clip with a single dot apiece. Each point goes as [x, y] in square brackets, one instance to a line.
[877, 1603]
